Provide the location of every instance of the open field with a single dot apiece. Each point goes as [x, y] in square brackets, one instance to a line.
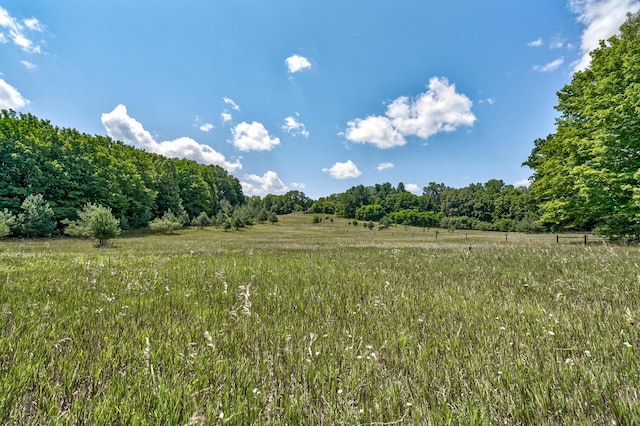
[297, 324]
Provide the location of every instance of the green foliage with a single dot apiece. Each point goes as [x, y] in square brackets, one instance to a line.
[95, 221]
[36, 218]
[201, 220]
[373, 212]
[167, 224]
[273, 218]
[370, 225]
[384, 223]
[316, 219]
[586, 173]
[70, 169]
[7, 223]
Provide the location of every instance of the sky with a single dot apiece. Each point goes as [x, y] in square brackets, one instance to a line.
[314, 96]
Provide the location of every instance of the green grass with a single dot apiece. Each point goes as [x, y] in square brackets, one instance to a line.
[297, 324]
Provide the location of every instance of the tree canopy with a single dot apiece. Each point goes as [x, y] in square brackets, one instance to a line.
[587, 174]
[70, 169]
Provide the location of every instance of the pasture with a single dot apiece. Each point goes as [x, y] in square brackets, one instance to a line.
[293, 323]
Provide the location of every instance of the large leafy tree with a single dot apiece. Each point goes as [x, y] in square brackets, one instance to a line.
[587, 174]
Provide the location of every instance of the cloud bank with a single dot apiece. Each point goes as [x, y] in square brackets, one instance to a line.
[121, 126]
[602, 19]
[439, 109]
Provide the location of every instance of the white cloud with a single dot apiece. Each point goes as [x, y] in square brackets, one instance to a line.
[298, 185]
[556, 45]
[297, 63]
[16, 31]
[10, 98]
[439, 109]
[384, 166]
[551, 66]
[376, 130]
[205, 127]
[489, 101]
[121, 126]
[412, 187]
[602, 19]
[253, 137]
[522, 182]
[28, 65]
[269, 183]
[344, 170]
[535, 43]
[34, 25]
[293, 126]
[232, 103]
[226, 117]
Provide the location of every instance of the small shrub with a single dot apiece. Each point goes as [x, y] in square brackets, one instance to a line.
[95, 221]
[167, 224]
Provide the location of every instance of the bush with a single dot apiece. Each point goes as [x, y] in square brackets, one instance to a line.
[201, 220]
[273, 217]
[36, 219]
[95, 221]
[167, 224]
[316, 219]
[7, 222]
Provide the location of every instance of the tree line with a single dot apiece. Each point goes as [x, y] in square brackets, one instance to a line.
[69, 169]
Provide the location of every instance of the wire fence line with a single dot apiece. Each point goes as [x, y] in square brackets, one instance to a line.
[444, 234]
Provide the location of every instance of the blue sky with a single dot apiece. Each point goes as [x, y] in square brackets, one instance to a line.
[311, 96]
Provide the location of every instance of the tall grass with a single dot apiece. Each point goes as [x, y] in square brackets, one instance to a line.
[297, 324]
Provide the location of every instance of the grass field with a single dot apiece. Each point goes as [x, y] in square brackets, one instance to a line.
[294, 323]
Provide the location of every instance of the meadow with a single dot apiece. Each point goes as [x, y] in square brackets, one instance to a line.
[295, 323]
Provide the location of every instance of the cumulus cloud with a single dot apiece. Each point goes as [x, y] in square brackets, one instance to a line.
[253, 137]
[384, 166]
[412, 187]
[10, 98]
[269, 183]
[298, 185]
[230, 101]
[121, 126]
[293, 126]
[297, 63]
[439, 109]
[602, 19]
[18, 31]
[535, 43]
[344, 170]
[551, 66]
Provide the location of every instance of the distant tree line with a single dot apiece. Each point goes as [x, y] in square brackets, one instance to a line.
[490, 206]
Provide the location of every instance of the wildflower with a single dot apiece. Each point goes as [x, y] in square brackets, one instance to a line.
[627, 345]
[551, 333]
[409, 404]
[339, 391]
[221, 415]
[503, 328]
[569, 362]
[587, 353]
